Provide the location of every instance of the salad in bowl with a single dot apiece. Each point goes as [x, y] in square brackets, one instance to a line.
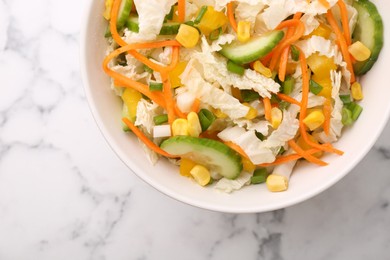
[235, 93]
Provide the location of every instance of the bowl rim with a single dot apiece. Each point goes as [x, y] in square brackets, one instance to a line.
[177, 196]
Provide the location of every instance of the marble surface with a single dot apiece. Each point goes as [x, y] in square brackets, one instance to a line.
[65, 195]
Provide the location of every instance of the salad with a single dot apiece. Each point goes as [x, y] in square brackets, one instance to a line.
[235, 93]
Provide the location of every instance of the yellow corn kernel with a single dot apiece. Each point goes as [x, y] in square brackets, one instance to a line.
[291, 68]
[107, 11]
[326, 84]
[252, 113]
[305, 146]
[276, 183]
[321, 65]
[174, 75]
[359, 51]
[314, 120]
[180, 127]
[356, 91]
[187, 36]
[194, 128]
[131, 98]
[212, 20]
[201, 175]
[218, 113]
[323, 31]
[243, 31]
[276, 117]
[248, 165]
[263, 70]
[186, 166]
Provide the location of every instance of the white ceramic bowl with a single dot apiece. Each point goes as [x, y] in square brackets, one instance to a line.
[307, 181]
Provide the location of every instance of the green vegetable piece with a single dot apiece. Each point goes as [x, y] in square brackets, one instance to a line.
[259, 135]
[147, 69]
[168, 28]
[214, 35]
[202, 12]
[294, 53]
[160, 119]
[155, 86]
[214, 155]
[355, 109]
[169, 16]
[346, 117]
[315, 88]
[125, 113]
[259, 176]
[283, 105]
[346, 99]
[235, 68]
[107, 32]
[254, 49]
[206, 118]
[288, 85]
[249, 95]
[369, 31]
[124, 13]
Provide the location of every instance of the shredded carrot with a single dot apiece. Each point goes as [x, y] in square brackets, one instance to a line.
[304, 154]
[231, 17]
[288, 99]
[327, 110]
[146, 140]
[182, 10]
[344, 21]
[195, 106]
[288, 158]
[167, 90]
[179, 113]
[325, 3]
[342, 43]
[267, 108]
[237, 148]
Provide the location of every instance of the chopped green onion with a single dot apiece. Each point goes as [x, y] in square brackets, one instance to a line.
[294, 53]
[214, 35]
[288, 85]
[235, 68]
[274, 99]
[155, 86]
[259, 176]
[355, 109]
[259, 135]
[160, 119]
[283, 105]
[281, 151]
[248, 95]
[206, 118]
[147, 69]
[170, 15]
[202, 12]
[346, 99]
[315, 88]
[346, 116]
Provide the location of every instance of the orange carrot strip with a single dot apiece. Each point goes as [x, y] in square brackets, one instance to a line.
[167, 91]
[195, 106]
[231, 17]
[342, 42]
[182, 10]
[287, 158]
[179, 113]
[288, 99]
[327, 110]
[344, 21]
[267, 108]
[146, 140]
[305, 155]
[325, 3]
[237, 148]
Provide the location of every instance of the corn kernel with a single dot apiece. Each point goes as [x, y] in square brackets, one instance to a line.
[194, 128]
[107, 11]
[186, 166]
[252, 113]
[326, 84]
[218, 113]
[314, 120]
[356, 91]
[276, 183]
[276, 117]
[174, 75]
[291, 68]
[131, 98]
[180, 127]
[321, 65]
[243, 31]
[248, 165]
[322, 30]
[359, 51]
[201, 175]
[305, 146]
[187, 36]
[212, 20]
[263, 70]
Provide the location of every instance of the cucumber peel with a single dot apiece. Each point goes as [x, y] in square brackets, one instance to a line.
[256, 48]
[124, 13]
[369, 31]
[168, 28]
[212, 154]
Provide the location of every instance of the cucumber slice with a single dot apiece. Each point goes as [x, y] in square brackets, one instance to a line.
[212, 154]
[255, 48]
[168, 28]
[124, 13]
[369, 30]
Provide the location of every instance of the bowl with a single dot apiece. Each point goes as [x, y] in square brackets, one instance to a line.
[307, 181]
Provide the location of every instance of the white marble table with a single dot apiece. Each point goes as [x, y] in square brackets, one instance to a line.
[65, 195]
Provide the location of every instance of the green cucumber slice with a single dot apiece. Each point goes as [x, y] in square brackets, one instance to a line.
[212, 154]
[124, 13]
[168, 28]
[255, 48]
[369, 31]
